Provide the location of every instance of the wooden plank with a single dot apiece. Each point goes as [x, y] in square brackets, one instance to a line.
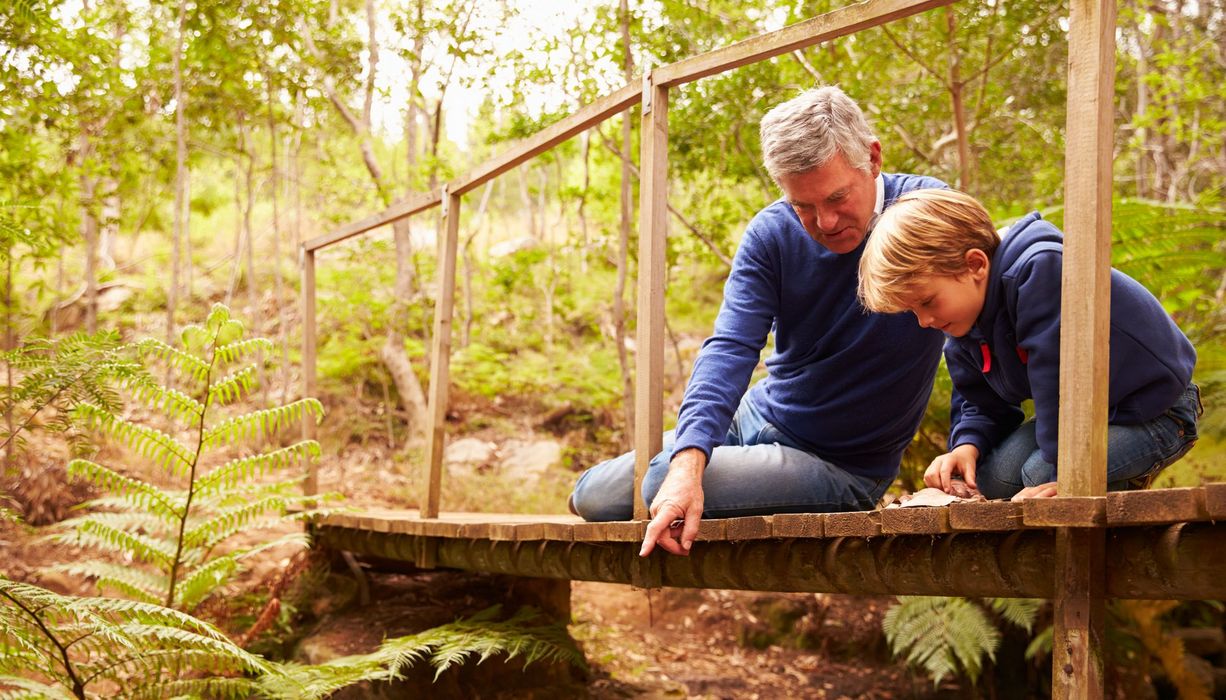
[1215, 501]
[564, 532]
[1065, 511]
[831, 25]
[585, 118]
[985, 516]
[653, 222]
[589, 532]
[625, 531]
[807, 525]
[410, 205]
[1156, 506]
[310, 486]
[917, 520]
[440, 357]
[751, 527]
[1080, 613]
[712, 529]
[856, 524]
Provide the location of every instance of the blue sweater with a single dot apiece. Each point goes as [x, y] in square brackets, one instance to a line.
[1018, 332]
[848, 385]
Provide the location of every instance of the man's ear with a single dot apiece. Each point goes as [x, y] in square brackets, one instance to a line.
[978, 264]
[874, 158]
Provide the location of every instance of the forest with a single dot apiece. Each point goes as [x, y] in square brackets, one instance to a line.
[164, 161]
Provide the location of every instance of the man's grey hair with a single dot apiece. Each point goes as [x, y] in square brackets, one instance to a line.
[805, 132]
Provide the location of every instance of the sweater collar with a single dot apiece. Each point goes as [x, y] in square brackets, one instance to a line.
[879, 205]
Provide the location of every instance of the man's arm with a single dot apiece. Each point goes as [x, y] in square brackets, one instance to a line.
[679, 498]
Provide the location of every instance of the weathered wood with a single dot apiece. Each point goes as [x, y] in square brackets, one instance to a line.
[855, 524]
[917, 520]
[410, 205]
[978, 516]
[1177, 562]
[653, 232]
[585, 118]
[310, 485]
[752, 527]
[1065, 511]
[1215, 501]
[440, 355]
[831, 25]
[1156, 506]
[799, 525]
[1080, 609]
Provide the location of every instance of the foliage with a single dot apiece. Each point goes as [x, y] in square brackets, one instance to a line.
[1142, 621]
[950, 636]
[58, 375]
[105, 647]
[482, 636]
[175, 533]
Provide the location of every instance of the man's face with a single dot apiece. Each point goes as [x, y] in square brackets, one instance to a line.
[835, 201]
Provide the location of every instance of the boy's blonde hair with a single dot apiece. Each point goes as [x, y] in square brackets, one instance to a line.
[923, 233]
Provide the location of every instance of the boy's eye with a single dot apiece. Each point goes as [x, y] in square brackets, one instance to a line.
[927, 302]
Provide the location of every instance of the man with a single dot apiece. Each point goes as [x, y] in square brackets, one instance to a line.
[845, 391]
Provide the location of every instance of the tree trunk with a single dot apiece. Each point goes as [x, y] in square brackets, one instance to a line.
[392, 353]
[959, 110]
[468, 262]
[623, 238]
[278, 285]
[172, 295]
[89, 235]
[253, 309]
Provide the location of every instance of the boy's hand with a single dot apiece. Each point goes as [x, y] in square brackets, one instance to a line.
[961, 461]
[1047, 490]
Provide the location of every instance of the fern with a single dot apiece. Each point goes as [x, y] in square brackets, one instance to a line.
[175, 533]
[96, 647]
[951, 636]
[523, 635]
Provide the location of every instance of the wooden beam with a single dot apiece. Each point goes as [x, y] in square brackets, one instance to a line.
[307, 263]
[440, 357]
[653, 232]
[1085, 330]
[831, 25]
[585, 118]
[413, 204]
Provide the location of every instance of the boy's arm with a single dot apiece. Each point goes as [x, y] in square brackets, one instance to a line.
[979, 416]
[1037, 307]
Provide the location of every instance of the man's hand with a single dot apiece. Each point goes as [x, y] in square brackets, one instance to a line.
[679, 498]
[1041, 491]
[960, 461]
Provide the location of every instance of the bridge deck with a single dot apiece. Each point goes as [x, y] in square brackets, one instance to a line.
[1162, 543]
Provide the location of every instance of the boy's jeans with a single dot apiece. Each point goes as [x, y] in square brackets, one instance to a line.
[755, 472]
[1135, 453]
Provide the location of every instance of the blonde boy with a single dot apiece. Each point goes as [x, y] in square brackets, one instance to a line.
[936, 254]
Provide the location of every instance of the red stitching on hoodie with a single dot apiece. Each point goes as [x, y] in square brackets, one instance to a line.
[987, 356]
[1023, 355]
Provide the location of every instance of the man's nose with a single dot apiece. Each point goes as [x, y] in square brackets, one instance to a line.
[827, 219]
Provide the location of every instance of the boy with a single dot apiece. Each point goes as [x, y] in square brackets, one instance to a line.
[936, 254]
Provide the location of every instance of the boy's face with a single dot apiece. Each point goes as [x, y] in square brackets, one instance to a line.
[951, 304]
[835, 201]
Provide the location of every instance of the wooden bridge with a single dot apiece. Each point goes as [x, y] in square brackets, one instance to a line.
[1077, 549]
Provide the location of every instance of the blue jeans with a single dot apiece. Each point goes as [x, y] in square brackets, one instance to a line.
[755, 472]
[1135, 453]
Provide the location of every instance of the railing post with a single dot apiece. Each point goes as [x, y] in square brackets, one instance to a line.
[306, 260]
[653, 237]
[440, 357]
[1077, 665]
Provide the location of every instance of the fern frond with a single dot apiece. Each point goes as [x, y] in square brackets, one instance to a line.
[233, 352]
[91, 532]
[247, 468]
[134, 491]
[172, 402]
[941, 634]
[184, 362]
[17, 688]
[238, 688]
[235, 519]
[233, 386]
[199, 583]
[1021, 612]
[133, 582]
[155, 445]
[262, 423]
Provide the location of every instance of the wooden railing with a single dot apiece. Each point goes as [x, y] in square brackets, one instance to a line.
[1079, 578]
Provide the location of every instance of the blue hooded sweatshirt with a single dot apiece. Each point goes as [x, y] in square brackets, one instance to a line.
[849, 386]
[1013, 351]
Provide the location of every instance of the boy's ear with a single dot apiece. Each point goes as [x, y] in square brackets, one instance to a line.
[977, 264]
